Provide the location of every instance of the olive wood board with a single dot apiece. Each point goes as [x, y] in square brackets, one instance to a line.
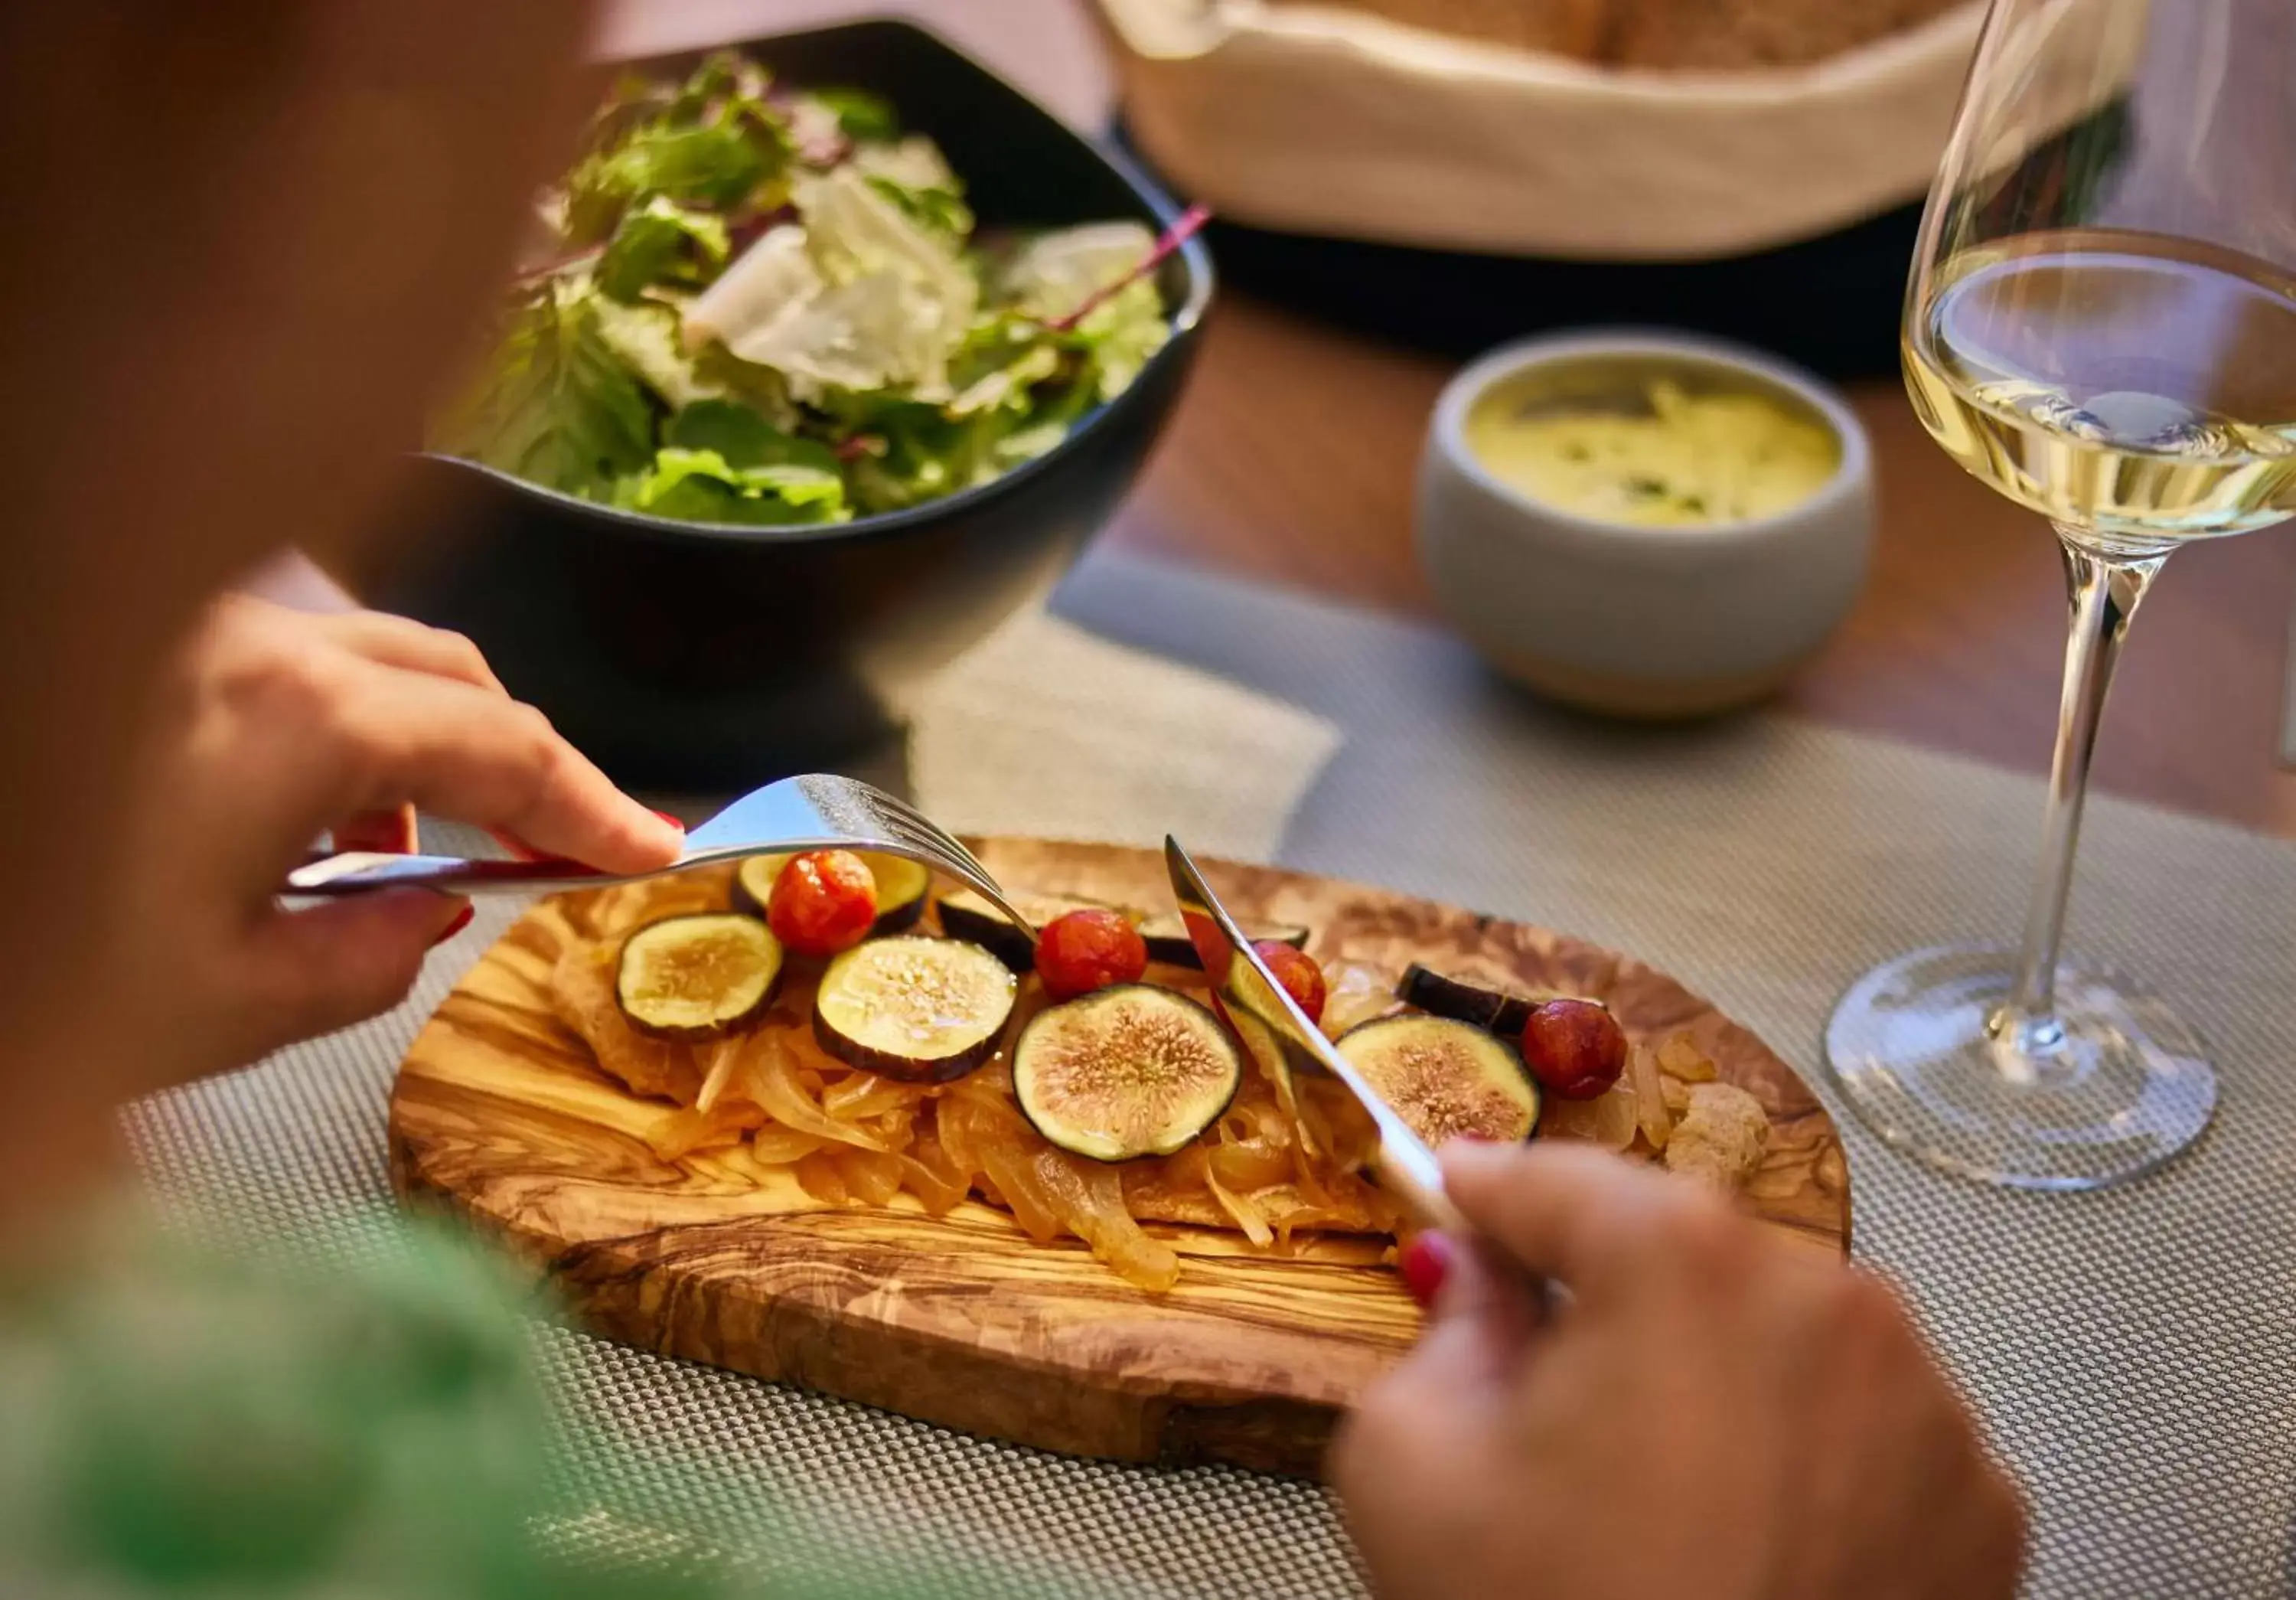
[500, 1117]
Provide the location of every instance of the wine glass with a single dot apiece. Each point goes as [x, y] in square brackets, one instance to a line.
[2102, 326]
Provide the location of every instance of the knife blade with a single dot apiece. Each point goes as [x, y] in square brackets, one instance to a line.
[1276, 1031]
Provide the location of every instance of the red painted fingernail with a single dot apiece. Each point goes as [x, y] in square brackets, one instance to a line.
[1425, 1262]
[672, 821]
[462, 921]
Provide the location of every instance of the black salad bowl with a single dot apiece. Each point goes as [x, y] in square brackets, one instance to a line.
[684, 656]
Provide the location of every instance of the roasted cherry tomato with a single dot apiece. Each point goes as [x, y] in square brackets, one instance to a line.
[1298, 972]
[1575, 1049]
[824, 901]
[1089, 950]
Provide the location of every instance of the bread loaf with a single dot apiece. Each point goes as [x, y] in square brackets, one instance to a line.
[1560, 27]
[1670, 34]
[1754, 33]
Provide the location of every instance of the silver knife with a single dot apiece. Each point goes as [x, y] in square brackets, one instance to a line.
[1269, 1019]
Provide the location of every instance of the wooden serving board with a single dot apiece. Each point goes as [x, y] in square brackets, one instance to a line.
[500, 1116]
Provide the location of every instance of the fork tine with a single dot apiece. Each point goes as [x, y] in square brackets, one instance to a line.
[958, 852]
[896, 806]
[931, 843]
[987, 889]
[986, 886]
[952, 859]
[927, 831]
[834, 807]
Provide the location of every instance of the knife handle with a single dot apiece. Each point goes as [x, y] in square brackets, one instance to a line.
[1416, 1182]
[1409, 1172]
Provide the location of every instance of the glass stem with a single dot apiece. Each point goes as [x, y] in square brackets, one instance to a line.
[2106, 591]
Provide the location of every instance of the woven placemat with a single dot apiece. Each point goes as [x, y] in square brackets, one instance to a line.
[2133, 1353]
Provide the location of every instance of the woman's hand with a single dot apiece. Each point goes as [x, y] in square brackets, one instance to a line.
[1715, 1413]
[285, 724]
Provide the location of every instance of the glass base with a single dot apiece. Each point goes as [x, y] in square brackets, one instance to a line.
[2116, 1088]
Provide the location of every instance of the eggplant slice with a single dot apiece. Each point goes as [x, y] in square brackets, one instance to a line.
[967, 916]
[697, 978]
[1130, 1072]
[902, 886]
[1167, 939]
[914, 1009]
[1445, 1078]
[1498, 1010]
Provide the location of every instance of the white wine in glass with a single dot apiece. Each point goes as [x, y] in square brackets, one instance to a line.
[2101, 326]
[2131, 386]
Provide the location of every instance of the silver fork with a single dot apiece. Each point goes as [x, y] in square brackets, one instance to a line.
[817, 812]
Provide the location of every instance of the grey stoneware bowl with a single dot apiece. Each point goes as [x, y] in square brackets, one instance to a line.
[1629, 620]
[684, 656]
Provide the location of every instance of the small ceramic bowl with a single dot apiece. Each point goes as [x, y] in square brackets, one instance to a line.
[1623, 618]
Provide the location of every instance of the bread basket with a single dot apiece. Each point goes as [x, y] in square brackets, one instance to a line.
[1318, 121]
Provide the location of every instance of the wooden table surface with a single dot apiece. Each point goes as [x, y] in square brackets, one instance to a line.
[1955, 645]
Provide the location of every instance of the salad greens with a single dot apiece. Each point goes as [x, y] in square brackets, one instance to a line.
[771, 306]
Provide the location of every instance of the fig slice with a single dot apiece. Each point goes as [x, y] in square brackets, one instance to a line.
[902, 885]
[967, 916]
[1168, 941]
[697, 978]
[1130, 1071]
[1445, 1078]
[913, 1008]
[1497, 1010]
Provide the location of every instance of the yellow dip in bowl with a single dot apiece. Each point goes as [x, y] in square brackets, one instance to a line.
[1643, 523]
[1680, 458]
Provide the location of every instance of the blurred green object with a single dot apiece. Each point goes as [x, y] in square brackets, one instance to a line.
[185, 1420]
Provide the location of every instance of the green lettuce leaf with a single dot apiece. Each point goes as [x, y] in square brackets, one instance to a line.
[860, 114]
[1119, 335]
[723, 376]
[702, 485]
[913, 174]
[723, 76]
[1002, 352]
[1025, 444]
[644, 336]
[647, 337]
[1056, 273]
[555, 404]
[1019, 389]
[743, 438]
[1007, 387]
[712, 165]
[943, 210]
[633, 99]
[1034, 421]
[662, 242]
[910, 453]
[715, 145]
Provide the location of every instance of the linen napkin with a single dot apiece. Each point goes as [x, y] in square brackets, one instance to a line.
[1048, 729]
